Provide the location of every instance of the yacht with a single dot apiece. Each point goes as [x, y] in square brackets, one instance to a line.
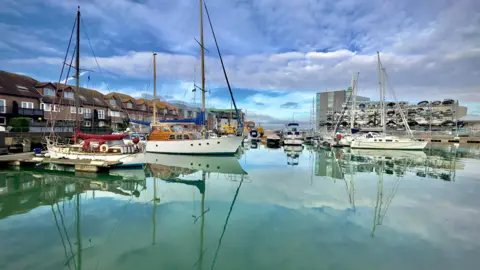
[383, 141]
[292, 135]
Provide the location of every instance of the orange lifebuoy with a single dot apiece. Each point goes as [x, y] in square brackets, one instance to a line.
[104, 148]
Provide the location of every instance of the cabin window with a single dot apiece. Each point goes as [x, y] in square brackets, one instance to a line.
[388, 140]
[179, 137]
[185, 137]
[171, 137]
[166, 129]
[375, 140]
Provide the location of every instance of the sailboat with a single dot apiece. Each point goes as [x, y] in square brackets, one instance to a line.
[383, 141]
[91, 146]
[170, 138]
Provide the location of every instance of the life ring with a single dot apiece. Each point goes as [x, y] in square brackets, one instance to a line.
[104, 148]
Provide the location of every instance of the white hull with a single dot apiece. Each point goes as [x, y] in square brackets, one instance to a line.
[401, 144]
[60, 152]
[227, 165]
[219, 146]
[293, 142]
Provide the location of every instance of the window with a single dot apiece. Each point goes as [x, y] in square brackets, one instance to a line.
[113, 102]
[185, 137]
[97, 100]
[143, 108]
[171, 137]
[83, 98]
[3, 106]
[22, 88]
[88, 123]
[101, 114]
[73, 110]
[68, 95]
[129, 105]
[101, 124]
[45, 107]
[87, 113]
[80, 110]
[3, 121]
[27, 105]
[330, 99]
[56, 108]
[48, 92]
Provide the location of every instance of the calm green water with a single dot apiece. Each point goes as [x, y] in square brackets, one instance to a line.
[265, 209]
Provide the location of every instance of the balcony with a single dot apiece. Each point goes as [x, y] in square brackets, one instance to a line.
[30, 112]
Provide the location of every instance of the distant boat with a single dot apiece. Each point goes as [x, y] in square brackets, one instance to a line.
[292, 135]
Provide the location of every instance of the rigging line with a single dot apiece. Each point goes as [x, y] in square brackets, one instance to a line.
[94, 56]
[223, 66]
[226, 223]
[61, 235]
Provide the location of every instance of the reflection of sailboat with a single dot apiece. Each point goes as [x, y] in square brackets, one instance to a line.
[389, 153]
[219, 164]
[293, 153]
[381, 206]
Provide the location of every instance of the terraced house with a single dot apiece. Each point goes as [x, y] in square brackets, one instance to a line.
[47, 102]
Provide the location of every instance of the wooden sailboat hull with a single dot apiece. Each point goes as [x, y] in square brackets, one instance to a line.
[218, 146]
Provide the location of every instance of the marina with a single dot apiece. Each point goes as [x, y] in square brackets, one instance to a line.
[216, 204]
[235, 135]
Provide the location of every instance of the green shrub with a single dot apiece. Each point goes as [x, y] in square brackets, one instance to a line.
[19, 124]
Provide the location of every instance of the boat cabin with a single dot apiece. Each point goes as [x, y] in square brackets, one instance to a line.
[169, 132]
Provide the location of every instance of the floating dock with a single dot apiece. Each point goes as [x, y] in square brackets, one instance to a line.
[92, 166]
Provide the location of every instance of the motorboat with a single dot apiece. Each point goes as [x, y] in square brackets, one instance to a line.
[292, 135]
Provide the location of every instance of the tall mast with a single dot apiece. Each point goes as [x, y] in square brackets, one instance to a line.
[382, 98]
[77, 73]
[202, 56]
[154, 88]
[352, 108]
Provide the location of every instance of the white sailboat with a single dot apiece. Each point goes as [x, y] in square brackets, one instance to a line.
[97, 148]
[374, 141]
[171, 139]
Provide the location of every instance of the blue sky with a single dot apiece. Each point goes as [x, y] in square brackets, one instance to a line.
[277, 53]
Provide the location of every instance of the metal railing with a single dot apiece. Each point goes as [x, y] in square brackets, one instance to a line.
[30, 112]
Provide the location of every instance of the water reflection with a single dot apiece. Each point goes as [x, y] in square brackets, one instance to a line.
[183, 212]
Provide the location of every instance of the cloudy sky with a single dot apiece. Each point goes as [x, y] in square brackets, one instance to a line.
[278, 53]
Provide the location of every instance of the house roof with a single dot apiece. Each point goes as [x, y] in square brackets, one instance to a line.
[18, 85]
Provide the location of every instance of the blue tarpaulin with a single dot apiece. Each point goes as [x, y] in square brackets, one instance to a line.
[199, 120]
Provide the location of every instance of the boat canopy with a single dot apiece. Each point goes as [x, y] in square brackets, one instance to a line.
[448, 101]
[423, 102]
[199, 120]
[292, 124]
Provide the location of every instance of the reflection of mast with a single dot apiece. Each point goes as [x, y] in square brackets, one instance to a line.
[79, 240]
[380, 212]
[154, 220]
[202, 227]
[226, 223]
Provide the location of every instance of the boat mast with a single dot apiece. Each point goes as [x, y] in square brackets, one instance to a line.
[154, 88]
[352, 108]
[77, 73]
[382, 93]
[202, 56]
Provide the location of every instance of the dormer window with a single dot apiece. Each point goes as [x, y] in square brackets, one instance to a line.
[143, 108]
[68, 95]
[83, 98]
[113, 102]
[22, 88]
[129, 105]
[48, 92]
